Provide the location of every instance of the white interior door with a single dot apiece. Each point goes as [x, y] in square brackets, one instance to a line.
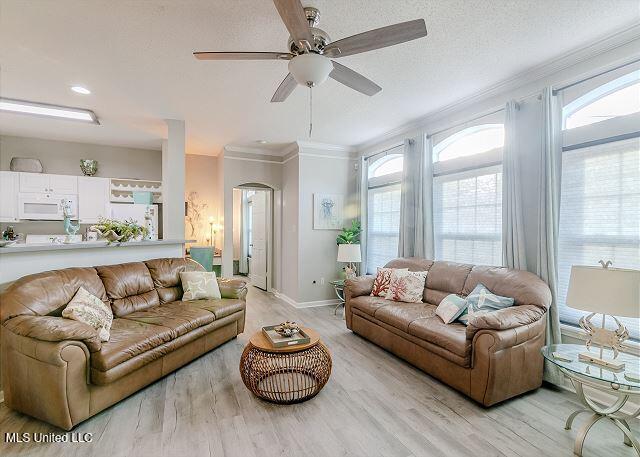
[258, 263]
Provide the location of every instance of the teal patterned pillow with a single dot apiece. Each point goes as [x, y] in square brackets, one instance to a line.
[481, 300]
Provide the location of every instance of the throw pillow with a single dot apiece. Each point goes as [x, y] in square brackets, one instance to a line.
[87, 308]
[451, 307]
[197, 285]
[406, 286]
[481, 300]
[382, 281]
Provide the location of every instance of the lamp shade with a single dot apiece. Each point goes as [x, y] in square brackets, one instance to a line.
[613, 291]
[349, 253]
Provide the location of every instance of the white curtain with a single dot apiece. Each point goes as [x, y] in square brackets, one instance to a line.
[416, 201]
[363, 189]
[513, 245]
[550, 172]
[243, 266]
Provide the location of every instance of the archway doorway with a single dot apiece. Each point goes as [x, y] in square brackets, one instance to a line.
[253, 237]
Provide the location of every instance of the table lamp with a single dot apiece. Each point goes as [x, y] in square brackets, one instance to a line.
[610, 292]
[349, 254]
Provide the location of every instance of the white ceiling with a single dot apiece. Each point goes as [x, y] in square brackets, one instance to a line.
[136, 58]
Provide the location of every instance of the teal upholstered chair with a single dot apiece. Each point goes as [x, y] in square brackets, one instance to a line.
[203, 255]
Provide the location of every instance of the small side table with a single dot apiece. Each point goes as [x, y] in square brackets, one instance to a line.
[585, 374]
[338, 286]
[285, 375]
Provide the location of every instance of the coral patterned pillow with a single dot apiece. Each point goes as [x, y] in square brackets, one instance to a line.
[407, 286]
[382, 281]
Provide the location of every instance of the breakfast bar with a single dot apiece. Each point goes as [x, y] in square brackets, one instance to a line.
[22, 259]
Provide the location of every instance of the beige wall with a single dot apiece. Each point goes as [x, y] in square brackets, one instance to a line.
[63, 157]
[290, 223]
[235, 172]
[201, 177]
[321, 172]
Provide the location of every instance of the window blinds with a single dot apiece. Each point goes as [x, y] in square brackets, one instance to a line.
[599, 214]
[467, 212]
[383, 225]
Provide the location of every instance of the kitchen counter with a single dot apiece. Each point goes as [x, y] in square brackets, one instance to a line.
[37, 247]
[24, 259]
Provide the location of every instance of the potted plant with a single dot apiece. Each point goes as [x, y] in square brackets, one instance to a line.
[122, 231]
[349, 248]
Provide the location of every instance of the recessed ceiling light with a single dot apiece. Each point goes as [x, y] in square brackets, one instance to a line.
[262, 141]
[43, 109]
[81, 90]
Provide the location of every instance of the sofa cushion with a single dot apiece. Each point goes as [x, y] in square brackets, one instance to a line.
[47, 293]
[368, 304]
[448, 277]
[400, 315]
[524, 287]
[178, 316]
[166, 276]
[128, 339]
[220, 308]
[452, 337]
[129, 286]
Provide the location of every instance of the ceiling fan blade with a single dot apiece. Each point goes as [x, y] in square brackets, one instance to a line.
[295, 20]
[353, 79]
[203, 55]
[284, 89]
[377, 38]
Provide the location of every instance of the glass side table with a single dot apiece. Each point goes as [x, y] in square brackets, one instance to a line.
[338, 286]
[616, 383]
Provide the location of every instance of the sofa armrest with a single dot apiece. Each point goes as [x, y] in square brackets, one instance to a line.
[506, 318]
[356, 287]
[54, 329]
[233, 288]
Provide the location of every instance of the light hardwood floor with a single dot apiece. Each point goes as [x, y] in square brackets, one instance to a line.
[374, 405]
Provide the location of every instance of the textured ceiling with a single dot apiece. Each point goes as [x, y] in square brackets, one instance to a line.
[136, 58]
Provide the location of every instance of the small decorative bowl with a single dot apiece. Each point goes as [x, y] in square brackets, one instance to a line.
[89, 167]
[287, 329]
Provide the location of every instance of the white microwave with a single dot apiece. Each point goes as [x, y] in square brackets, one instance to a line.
[45, 206]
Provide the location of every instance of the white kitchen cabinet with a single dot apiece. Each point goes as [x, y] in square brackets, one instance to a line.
[93, 199]
[41, 182]
[63, 184]
[8, 196]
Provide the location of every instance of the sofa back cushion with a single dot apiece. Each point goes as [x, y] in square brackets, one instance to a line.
[166, 276]
[129, 286]
[446, 278]
[47, 293]
[524, 287]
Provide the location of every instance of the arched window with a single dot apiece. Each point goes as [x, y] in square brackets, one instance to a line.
[470, 141]
[386, 165]
[619, 97]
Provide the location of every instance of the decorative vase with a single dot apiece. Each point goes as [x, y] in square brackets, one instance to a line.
[111, 236]
[89, 167]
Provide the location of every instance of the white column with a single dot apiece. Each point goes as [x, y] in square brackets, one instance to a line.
[173, 176]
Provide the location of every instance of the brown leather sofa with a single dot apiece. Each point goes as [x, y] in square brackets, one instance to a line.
[497, 356]
[59, 371]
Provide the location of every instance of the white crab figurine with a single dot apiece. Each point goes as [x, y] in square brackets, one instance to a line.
[604, 337]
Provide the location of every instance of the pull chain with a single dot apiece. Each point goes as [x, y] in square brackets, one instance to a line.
[310, 110]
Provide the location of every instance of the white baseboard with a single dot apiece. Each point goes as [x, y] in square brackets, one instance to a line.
[305, 304]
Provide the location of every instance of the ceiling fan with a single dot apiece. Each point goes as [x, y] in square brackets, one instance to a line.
[310, 50]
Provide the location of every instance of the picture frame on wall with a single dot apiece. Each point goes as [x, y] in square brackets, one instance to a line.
[328, 211]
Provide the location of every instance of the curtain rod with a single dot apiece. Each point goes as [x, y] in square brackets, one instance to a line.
[465, 122]
[555, 91]
[384, 151]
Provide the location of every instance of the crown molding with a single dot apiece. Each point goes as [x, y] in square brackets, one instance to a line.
[325, 146]
[530, 76]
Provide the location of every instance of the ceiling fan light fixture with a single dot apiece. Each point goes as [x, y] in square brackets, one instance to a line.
[310, 69]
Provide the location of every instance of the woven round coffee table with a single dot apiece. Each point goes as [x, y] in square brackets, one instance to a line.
[285, 375]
